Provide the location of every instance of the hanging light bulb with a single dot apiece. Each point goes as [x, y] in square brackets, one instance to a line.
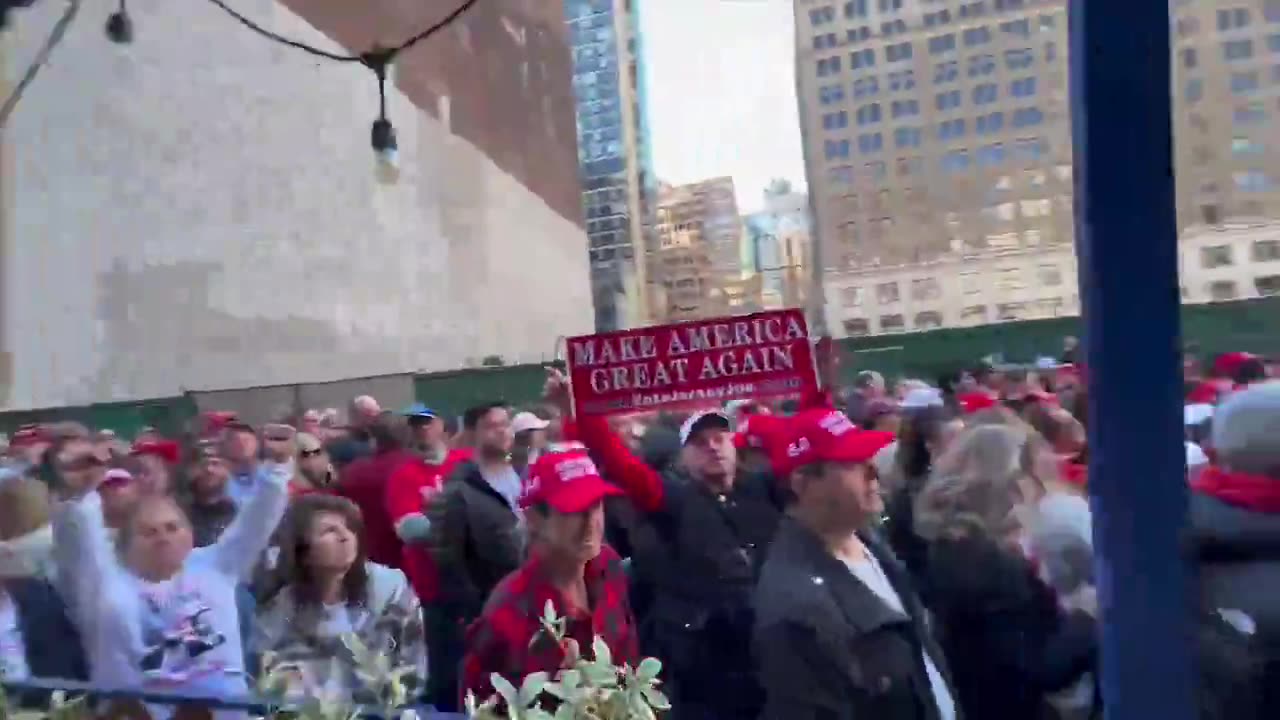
[386, 152]
[120, 25]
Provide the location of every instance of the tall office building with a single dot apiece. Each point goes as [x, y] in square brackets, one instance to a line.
[778, 246]
[697, 266]
[934, 130]
[938, 151]
[613, 154]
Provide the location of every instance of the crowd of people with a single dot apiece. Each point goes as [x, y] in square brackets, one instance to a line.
[922, 551]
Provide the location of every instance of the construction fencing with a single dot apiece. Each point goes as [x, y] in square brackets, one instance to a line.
[1252, 325]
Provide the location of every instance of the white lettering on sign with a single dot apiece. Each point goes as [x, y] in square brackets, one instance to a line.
[798, 447]
[836, 423]
[607, 351]
[575, 468]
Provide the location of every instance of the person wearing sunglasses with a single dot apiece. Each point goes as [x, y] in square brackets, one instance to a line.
[315, 470]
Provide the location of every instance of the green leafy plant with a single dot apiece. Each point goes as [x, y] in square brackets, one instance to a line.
[594, 689]
[374, 671]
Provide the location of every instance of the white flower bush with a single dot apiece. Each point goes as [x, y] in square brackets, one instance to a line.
[584, 690]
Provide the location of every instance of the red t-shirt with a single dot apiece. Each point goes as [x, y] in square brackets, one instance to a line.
[364, 483]
[408, 489]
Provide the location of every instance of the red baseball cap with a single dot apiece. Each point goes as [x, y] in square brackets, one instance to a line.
[975, 402]
[30, 435]
[567, 480]
[824, 435]
[166, 450]
[760, 432]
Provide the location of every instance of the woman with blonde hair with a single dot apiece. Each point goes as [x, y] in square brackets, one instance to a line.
[327, 592]
[1009, 638]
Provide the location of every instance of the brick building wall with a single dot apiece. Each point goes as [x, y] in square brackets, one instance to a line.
[199, 210]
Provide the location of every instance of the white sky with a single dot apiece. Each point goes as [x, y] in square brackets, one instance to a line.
[721, 92]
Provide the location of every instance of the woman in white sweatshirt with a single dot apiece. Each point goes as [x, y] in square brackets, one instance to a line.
[155, 613]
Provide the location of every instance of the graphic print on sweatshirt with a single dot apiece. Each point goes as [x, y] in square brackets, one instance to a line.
[177, 637]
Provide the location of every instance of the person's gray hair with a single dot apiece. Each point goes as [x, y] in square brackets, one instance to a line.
[974, 488]
[868, 378]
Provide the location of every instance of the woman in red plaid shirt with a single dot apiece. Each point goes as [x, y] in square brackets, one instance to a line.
[569, 565]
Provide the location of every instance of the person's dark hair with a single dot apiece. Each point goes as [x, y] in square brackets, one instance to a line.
[1250, 371]
[292, 570]
[921, 427]
[473, 415]
[388, 432]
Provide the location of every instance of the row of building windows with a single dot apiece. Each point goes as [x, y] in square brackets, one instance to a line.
[1217, 256]
[1024, 150]
[947, 130]
[970, 315]
[949, 71]
[1220, 290]
[972, 283]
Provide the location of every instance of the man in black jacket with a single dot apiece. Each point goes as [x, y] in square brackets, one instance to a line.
[475, 541]
[839, 632]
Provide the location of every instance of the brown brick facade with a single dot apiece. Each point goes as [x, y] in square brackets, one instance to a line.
[505, 67]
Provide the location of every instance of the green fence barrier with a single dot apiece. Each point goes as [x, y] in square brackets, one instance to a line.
[168, 415]
[451, 393]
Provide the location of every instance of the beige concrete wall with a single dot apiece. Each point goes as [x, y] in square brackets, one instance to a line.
[198, 210]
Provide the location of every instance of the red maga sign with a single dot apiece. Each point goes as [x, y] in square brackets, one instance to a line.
[692, 364]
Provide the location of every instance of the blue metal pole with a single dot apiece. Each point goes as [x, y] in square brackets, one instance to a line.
[1126, 239]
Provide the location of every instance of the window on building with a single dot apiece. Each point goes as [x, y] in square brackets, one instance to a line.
[905, 108]
[864, 58]
[900, 51]
[955, 161]
[851, 296]
[939, 44]
[891, 323]
[866, 87]
[980, 65]
[1266, 250]
[977, 36]
[1031, 150]
[946, 72]
[991, 155]
[1252, 181]
[1010, 311]
[907, 137]
[1194, 90]
[856, 327]
[1237, 49]
[831, 94]
[1027, 117]
[991, 123]
[1220, 290]
[1254, 113]
[925, 289]
[887, 293]
[928, 320]
[876, 171]
[902, 80]
[1189, 57]
[1267, 285]
[855, 9]
[1019, 59]
[948, 100]
[1010, 278]
[1271, 11]
[890, 5]
[951, 129]
[869, 114]
[1002, 5]
[1246, 146]
[1050, 275]
[835, 120]
[911, 166]
[1050, 51]
[869, 143]
[1023, 87]
[937, 19]
[822, 15]
[1020, 28]
[836, 149]
[1215, 256]
[974, 314]
[824, 42]
[1233, 18]
[1244, 83]
[985, 93]
[1035, 208]
[828, 66]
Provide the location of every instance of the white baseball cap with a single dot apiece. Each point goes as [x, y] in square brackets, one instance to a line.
[700, 420]
[527, 421]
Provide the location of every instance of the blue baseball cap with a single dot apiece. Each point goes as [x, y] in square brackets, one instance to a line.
[418, 410]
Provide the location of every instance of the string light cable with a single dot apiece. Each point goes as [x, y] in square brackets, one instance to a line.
[41, 59]
[378, 59]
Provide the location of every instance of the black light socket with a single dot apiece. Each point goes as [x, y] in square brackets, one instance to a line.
[120, 27]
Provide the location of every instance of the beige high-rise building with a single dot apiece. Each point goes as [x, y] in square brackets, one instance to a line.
[697, 268]
[938, 148]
